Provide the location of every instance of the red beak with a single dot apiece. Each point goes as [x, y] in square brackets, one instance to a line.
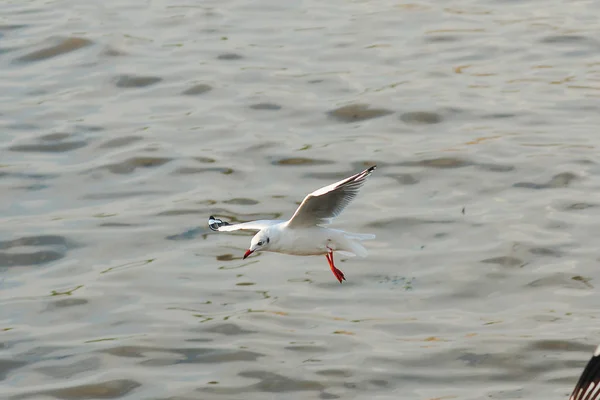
[247, 253]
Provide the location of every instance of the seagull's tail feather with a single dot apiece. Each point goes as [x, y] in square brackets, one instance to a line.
[360, 236]
[352, 245]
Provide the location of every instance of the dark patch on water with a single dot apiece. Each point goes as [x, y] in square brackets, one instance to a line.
[496, 167]
[442, 162]
[227, 257]
[130, 165]
[7, 366]
[229, 330]
[579, 206]
[189, 234]
[196, 90]
[12, 27]
[121, 195]
[473, 359]
[546, 345]
[56, 248]
[404, 179]
[23, 126]
[68, 371]
[206, 356]
[64, 46]
[454, 162]
[307, 349]
[54, 142]
[129, 351]
[25, 175]
[35, 187]
[441, 39]
[52, 137]
[120, 142]
[499, 116]
[116, 225]
[241, 202]
[65, 303]
[562, 280]
[133, 81]
[406, 222]
[567, 39]
[265, 106]
[357, 112]
[110, 51]
[193, 170]
[180, 212]
[195, 355]
[421, 118]
[89, 128]
[206, 160]
[43, 240]
[49, 148]
[544, 251]
[300, 161]
[558, 181]
[335, 373]
[275, 383]
[32, 258]
[104, 390]
[505, 261]
[229, 56]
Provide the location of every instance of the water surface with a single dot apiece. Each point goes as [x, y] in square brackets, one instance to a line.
[126, 124]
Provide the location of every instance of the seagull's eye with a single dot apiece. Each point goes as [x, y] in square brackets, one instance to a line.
[260, 243]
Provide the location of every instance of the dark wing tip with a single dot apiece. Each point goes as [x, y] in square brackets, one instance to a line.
[214, 223]
[588, 386]
[368, 171]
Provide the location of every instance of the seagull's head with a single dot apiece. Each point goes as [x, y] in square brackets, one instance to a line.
[260, 241]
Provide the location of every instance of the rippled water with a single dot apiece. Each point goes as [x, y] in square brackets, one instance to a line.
[125, 124]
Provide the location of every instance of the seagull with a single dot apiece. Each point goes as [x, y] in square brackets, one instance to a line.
[305, 233]
[588, 386]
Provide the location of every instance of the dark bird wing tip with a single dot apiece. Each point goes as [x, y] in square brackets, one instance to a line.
[588, 385]
[214, 223]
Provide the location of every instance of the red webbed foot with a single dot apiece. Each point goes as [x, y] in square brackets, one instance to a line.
[338, 274]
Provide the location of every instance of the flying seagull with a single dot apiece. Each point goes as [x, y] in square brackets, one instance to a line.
[305, 233]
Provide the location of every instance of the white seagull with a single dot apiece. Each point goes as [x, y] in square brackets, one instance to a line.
[304, 234]
[588, 386]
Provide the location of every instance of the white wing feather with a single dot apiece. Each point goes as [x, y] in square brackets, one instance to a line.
[326, 203]
[221, 226]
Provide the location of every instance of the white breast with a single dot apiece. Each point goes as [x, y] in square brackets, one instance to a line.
[305, 241]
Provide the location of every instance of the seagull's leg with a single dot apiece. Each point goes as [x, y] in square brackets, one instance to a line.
[336, 272]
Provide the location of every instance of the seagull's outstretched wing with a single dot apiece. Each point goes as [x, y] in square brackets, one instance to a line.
[588, 386]
[221, 226]
[322, 205]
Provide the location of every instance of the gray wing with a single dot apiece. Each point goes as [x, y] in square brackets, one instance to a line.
[588, 386]
[322, 205]
[221, 226]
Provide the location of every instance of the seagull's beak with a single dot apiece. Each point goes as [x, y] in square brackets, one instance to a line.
[247, 253]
